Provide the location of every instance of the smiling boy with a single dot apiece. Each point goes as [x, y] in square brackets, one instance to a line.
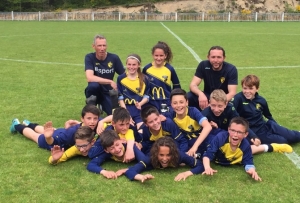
[228, 148]
[46, 137]
[253, 107]
[114, 149]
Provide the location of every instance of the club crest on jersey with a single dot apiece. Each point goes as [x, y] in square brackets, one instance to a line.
[222, 79]
[138, 89]
[258, 106]
[191, 128]
[110, 64]
[225, 120]
[165, 77]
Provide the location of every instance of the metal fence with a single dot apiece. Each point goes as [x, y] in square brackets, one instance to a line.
[118, 16]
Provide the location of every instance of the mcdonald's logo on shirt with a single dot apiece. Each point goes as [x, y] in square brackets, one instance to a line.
[159, 91]
[129, 101]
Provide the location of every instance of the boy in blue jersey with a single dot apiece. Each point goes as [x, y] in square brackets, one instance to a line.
[121, 124]
[114, 149]
[253, 107]
[86, 144]
[164, 154]
[133, 88]
[228, 148]
[162, 76]
[46, 137]
[100, 68]
[154, 128]
[219, 114]
[190, 121]
[216, 74]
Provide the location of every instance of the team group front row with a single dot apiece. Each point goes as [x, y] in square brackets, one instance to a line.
[160, 125]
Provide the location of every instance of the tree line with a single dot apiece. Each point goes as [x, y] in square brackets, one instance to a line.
[52, 5]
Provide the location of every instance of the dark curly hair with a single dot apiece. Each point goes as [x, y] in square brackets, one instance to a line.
[167, 142]
[167, 50]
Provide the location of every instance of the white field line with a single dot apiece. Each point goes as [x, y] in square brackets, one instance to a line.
[295, 158]
[182, 68]
[195, 55]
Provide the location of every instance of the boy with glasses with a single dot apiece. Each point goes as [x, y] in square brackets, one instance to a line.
[228, 148]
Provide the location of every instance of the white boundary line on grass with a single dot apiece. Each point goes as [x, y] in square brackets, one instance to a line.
[76, 64]
[295, 158]
[195, 55]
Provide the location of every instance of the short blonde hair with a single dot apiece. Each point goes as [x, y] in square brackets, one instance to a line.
[218, 95]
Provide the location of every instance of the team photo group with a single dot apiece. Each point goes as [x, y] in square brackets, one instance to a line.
[145, 117]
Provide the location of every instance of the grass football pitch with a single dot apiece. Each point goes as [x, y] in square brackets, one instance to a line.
[42, 78]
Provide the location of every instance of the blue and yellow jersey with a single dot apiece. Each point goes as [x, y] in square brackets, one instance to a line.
[95, 164]
[130, 91]
[104, 68]
[168, 128]
[195, 165]
[253, 110]
[94, 151]
[131, 134]
[161, 81]
[220, 151]
[190, 125]
[224, 119]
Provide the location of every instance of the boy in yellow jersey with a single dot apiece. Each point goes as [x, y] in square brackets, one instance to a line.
[86, 144]
[190, 121]
[115, 149]
[121, 124]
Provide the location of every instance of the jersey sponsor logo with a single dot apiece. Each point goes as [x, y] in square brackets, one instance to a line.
[222, 79]
[110, 64]
[158, 91]
[129, 101]
[245, 103]
[104, 71]
[207, 68]
[258, 106]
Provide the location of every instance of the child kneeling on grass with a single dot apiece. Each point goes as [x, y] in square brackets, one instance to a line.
[219, 114]
[164, 153]
[231, 147]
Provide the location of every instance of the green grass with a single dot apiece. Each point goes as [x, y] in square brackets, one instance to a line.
[42, 78]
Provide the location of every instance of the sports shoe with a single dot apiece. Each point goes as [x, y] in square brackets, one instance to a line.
[13, 124]
[26, 122]
[91, 100]
[282, 148]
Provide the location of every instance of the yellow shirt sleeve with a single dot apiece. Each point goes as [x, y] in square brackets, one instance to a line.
[69, 153]
[128, 136]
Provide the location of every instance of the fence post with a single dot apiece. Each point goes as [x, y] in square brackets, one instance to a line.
[202, 16]
[176, 17]
[255, 16]
[228, 16]
[12, 15]
[39, 19]
[66, 16]
[93, 17]
[146, 16]
[282, 17]
[119, 16]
